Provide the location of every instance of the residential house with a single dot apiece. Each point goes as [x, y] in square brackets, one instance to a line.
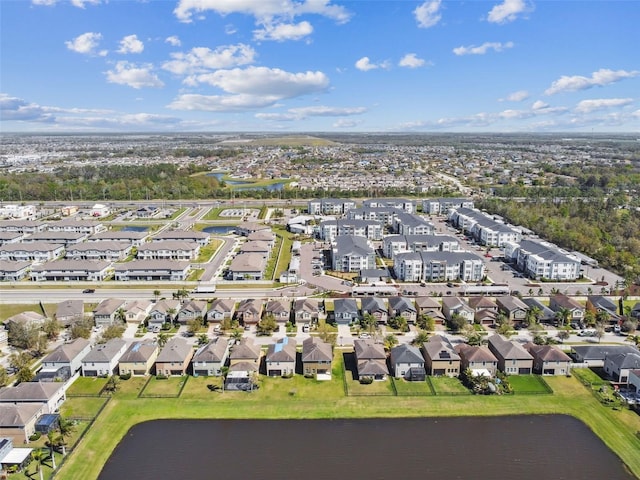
[485, 310]
[69, 311]
[619, 365]
[191, 310]
[190, 236]
[513, 358]
[169, 250]
[164, 311]
[50, 394]
[256, 247]
[24, 319]
[131, 237]
[103, 359]
[249, 311]
[595, 355]
[210, 358]
[110, 251]
[31, 252]
[10, 237]
[63, 238]
[13, 271]
[281, 357]
[371, 359]
[346, 311]
[546, 315]
[375, 307]
[137, 311]
[316, 358]
[440, 357]
[560, 302]
[456, 306]
[280, 309]
[221, 309]
[18, 421]
[174, 358]
[514, 308]
[109, 312]
[307, 310]
[407, 362]
[549, 360]
[139, 358]
[247, 228]
[603, 307]
[88, 227]
[245, 356]
[403, 307]
[478, 359]
[23, 226]
[266, 236]
[430, 307]
[64, 361]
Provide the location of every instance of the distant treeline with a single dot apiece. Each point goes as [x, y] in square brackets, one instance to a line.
[598, 228]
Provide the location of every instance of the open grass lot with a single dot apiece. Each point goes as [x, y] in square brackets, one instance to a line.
[82, 407]
[448, 386]
[616, 428]
[87, 386]
[10, 309]
[528, 384]
[207, 251]
[403, 387]
[168, 387]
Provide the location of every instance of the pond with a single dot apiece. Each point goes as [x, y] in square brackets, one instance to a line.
[241, 185]
[220, 229]
[133, 228]
[497, 448]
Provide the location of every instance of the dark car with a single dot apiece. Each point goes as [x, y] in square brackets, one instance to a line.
[89, 290]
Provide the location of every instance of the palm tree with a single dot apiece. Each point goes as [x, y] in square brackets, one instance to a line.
[633, 338]
[156, 294]
[53, 439]
[66, 427]
[121, 315]
[163, 338]
[236, 334]
[203, 339]
[390, 341]
[563, 315]
[38, 455]
[421, 338]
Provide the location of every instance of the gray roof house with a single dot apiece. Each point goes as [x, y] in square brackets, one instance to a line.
[595, 355]
[546, 314]
[174, 358]
[64, 361]
[407, 362]
[440, 357]
[13, 271]
[220, 309]
[245, 356]
[514, 308]
[51, 394]
[103, 358]
[375, 307]
[280, 309]
[513, 358]
[307, 310]
[316, 358]
[618, 366]
[247, 266]
[106, 312]
[281, 357]
[191, 310]
[69, 311]
[17, 421]
[210, 358]
[163, 311]
[402, 307]
[345, 311]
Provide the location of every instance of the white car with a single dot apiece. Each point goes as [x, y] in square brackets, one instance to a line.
[364, 336]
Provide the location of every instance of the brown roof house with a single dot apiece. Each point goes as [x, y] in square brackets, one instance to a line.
[244, 362]
[25, 318]
[402, 307]
[280, 309]
[560, 301]
[191, 310]
[249, 311]
[514, 308]
[316, 358]
[210, 358]
[455, 305]
[139, 358]
[371, 359]
[18, 421]
[440, 357]
[221, 309]
[247, 266]
[513, 358]
[549, 360]
[478, 359]
[430, 307]
[281, 358]
[174, 358]
[485, 310]
[69, 311]
[307, 310]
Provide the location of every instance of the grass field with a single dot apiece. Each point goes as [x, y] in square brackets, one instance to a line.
[82, 407]
[448, 386]
[87, 386]
[404, 387]
[527, 384]
[168, 387]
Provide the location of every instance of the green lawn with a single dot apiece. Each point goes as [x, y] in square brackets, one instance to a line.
[82, 407]
[10, 309]
[403, 387]
[163, 387]
[208, 250]
[448, 386]
[87, 386]
[528, 384]
[214, 214]
[617, 428]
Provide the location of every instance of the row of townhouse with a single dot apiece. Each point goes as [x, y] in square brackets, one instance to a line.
[438, 266]
[251, 260]
[328, 230]
[484, 228]
[431, 206]
[442, 206]
[350, 253]
[87, 227]
[543, 260]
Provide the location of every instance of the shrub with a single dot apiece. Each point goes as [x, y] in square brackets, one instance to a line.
[161, 377]
[366, 380]
[126, 376]
[36, 436]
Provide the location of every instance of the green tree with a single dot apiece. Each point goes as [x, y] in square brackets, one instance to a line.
[203, 339]
[369, 323]
[267, 325]
[81, 328]
[457, 322]
[23, 336]
[163, 338]
[110, 332]
[4, 377]
[398, 323]
[421, 338]
[599, 332]
[66, 427]
[426, 322]
[156, 294]
[112, 384]
[236, 334]
[51, 328]
[25, 374]
[563, 315]
[390, 341]
[563, 335]
[38, 456]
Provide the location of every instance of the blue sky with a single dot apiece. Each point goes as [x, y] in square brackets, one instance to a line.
[319, 65]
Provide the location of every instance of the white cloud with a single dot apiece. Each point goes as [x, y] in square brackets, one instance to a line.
[87, 44]
[75, 3]
[46, 3]
[344, 123]
[411, 60]
[14, 108]
[482, 49]
[221, 103]
[515, 114]
[539, 105]
[518, 96]
[135, 76]
[302, 113]
[284, 31]
[131, 44]
[173, 40]
[364, 64]
[599, 78]
[428, 14]
[263, 10]
[507, 11]
[201, 59]
[263, 81]
[588, 106]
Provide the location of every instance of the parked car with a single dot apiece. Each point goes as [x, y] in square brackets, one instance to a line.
[364, 336]
[89, 290]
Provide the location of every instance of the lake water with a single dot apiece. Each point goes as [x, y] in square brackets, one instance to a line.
[240, 185]
[135, 229]
[497, 448]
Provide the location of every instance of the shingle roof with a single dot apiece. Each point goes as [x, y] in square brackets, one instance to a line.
[284, 350]
[66, 352]
[547, 353]
[104, 352]
[30, 392]
[366, 349]
[245, 350]
[12, 415]
[214, 351]
[314, 350]
[139, 352]
[507, 349]
[406, 354]
[176, 350]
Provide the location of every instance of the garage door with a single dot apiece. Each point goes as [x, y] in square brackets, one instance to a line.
[275, 373]
[90, 373]
[438, 371]
[524, 371]
[203, 373]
